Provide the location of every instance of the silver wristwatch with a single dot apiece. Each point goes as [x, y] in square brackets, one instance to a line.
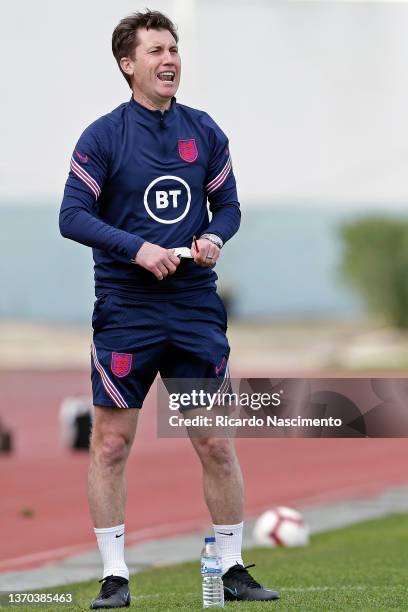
[214, 239]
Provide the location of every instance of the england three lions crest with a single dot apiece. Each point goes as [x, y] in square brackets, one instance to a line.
[121, 364]
[188, 150]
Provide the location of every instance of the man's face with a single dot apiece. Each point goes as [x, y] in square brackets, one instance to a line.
[157, 65]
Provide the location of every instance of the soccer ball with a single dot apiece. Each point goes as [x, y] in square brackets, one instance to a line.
[281, 527]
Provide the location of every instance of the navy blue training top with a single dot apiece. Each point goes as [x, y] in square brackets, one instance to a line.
[138, 175]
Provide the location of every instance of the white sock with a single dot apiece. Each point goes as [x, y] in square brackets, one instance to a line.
[111, 543]
[229, 542]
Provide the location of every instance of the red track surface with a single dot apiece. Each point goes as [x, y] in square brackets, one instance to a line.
[164, 476]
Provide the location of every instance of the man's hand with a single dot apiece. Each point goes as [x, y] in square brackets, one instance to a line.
[161, 262]
[207, 253]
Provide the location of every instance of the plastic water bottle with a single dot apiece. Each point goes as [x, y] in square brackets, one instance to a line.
[211, 573]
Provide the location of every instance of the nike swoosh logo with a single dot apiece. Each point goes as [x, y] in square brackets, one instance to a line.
[82, 158]
[220, 367]
[223, 533]
[119, 536]
[233, 592]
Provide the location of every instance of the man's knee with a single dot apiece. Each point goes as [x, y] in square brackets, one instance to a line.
[113, 432]
[110, 449]
[216, 452]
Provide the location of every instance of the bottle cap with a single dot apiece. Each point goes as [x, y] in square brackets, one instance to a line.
[209, 540]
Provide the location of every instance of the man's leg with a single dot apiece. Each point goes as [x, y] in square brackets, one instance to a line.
[129, 336]
[224, 494]
[113, 432]
[200, 351]
[222, 479]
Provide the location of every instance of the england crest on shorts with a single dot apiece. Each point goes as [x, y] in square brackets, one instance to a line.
[188, 150]
[121, 364]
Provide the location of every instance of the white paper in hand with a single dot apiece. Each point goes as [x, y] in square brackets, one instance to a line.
[183, 252]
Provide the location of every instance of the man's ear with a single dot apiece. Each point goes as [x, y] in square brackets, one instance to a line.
[127, 65]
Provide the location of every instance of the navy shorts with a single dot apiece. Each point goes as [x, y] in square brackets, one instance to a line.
[135, 338]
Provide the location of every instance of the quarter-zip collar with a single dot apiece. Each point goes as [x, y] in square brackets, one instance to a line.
[154, 117]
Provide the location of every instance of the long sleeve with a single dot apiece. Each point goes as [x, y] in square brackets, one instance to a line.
[221, 189]
[79, 218]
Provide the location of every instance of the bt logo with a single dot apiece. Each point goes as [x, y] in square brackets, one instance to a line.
[167, 199]
[162, 198]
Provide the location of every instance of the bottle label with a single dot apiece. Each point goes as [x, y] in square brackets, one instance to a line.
[211, 566]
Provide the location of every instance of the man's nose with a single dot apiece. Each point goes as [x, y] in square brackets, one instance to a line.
[167, 58]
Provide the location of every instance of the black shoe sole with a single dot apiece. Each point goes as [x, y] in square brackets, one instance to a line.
[229, 597]
[127, 604]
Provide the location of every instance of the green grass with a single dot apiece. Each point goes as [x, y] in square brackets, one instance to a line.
[363, 567]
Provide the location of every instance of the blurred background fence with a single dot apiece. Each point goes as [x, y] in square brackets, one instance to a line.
[283, 263]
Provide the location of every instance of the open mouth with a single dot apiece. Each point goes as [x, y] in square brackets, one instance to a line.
[167, 75]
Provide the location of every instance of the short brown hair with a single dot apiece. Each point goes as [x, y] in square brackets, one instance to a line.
[124, 37]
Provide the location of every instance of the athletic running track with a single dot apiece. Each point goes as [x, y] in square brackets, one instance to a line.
[43, 507]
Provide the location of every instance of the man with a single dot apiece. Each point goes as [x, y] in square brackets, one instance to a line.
[138, 187]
